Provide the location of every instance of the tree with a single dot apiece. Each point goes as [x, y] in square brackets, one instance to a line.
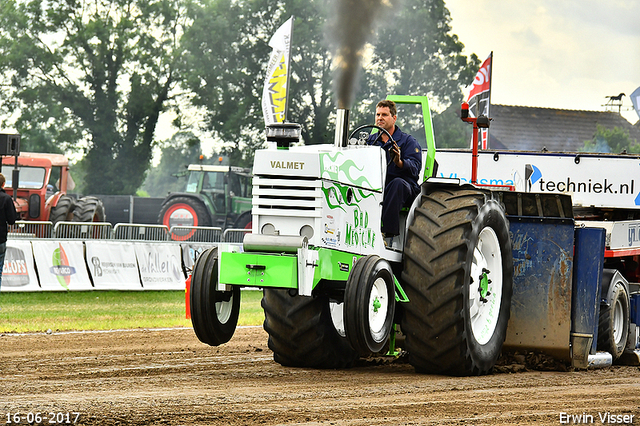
[224, 65]
[93, 75]
[226, 54]
[415, 53]
[614, 140]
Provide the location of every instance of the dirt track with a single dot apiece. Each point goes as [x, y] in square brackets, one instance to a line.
[169, 377]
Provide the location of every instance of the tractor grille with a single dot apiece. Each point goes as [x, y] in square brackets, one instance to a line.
[287, 196]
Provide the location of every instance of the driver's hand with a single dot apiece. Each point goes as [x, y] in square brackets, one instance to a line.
[396, 156]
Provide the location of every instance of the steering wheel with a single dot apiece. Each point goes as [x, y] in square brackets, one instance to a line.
[374, 127]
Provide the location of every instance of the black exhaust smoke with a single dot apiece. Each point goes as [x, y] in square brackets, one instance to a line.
[352, 26]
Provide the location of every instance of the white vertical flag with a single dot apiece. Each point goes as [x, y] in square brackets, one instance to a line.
[276, 83]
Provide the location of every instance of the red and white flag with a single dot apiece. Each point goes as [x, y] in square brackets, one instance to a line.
[479, 98]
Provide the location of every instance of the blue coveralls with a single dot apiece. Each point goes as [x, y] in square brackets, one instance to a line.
[401, 184]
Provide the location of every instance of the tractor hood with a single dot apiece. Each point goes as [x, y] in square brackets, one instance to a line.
[343, 165]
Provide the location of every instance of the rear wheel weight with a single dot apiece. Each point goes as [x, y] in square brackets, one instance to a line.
[458, 273]
[302, 332]
[214, 314]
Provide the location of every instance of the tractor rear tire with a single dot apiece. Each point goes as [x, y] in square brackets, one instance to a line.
[302, 333]
[458, 276]
[369, 305]
[183, 211]
[244, 221]
[214, 314]
[89, 209]
[613, 323]
[63, 211]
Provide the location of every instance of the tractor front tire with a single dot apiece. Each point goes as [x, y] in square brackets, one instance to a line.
[302, 333]
[214, 314]
[458, 276]
[369, 305]
[63, 210]
[89, 209]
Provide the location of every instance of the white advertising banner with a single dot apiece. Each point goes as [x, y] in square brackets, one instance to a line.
[160, 266]
[600, 180]
[19, 272]
[61, 265]
[113, 265]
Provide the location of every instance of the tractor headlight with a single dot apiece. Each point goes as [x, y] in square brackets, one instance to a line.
[284, 134]
[306, 231]
[268, 229]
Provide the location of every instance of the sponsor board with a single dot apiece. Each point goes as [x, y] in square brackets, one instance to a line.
[160, 266]
[61, 265]
[18, 272]
[113, 265]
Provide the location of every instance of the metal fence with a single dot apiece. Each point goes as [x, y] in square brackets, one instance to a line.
[30, 230]
[123, 231]
[82, 230]
[233, 235]
[199, 234]
[135, 232]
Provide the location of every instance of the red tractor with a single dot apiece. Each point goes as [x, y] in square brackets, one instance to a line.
[43, 183]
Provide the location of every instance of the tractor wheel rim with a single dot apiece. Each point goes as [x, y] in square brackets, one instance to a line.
[181, 217]
[378, 307]
[223, 310]
[485, 295]
[618, 321]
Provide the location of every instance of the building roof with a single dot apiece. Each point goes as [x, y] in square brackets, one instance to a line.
[533, 129]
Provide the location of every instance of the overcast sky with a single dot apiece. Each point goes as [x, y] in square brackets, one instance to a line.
[554, 53]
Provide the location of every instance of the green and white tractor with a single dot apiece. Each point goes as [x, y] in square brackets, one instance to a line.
[333, 290]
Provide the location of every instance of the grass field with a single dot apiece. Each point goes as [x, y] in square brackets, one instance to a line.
[106, 310]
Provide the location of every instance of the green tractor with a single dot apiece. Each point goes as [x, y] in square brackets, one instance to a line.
[215, 195]
[333, 290]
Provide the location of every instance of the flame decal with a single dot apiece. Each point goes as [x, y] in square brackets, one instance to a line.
[337, 169]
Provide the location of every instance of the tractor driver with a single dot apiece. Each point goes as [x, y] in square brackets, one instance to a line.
[404, 161]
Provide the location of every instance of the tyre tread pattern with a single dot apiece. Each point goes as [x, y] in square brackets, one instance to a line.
[89, 209]
[63, 210]
[301, 332]
[435, 270]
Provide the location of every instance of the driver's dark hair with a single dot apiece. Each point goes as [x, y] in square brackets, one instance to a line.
[386, 103]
